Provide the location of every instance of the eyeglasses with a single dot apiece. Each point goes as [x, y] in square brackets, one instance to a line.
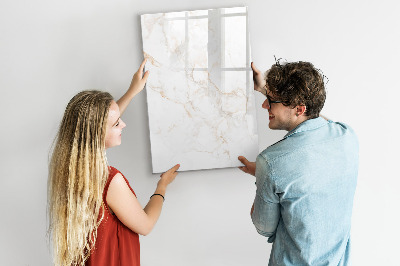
[270, 101]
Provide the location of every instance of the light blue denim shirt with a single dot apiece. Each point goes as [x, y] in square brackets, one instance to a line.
[305, 189]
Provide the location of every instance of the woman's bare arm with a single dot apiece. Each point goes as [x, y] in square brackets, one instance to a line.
[127, 208]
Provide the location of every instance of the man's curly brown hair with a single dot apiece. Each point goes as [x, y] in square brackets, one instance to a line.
[297, 83]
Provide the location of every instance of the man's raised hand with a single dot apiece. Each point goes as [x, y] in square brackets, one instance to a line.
[258, 79]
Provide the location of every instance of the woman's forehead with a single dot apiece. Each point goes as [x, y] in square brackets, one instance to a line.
[113, 113]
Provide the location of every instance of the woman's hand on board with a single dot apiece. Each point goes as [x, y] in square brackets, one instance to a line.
[137, 85]
[168, 176]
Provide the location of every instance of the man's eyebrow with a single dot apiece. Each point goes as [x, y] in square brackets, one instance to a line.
[116, 121]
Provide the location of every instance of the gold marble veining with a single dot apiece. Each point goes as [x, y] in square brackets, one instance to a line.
[200, 97]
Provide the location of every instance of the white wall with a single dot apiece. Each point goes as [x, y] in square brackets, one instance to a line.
[49, 50]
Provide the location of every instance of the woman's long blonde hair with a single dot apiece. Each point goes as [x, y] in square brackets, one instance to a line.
[78, 171]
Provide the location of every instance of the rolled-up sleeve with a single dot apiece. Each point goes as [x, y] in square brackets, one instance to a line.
[266, 211]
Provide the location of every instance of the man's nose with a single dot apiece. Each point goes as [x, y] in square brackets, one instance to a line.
[265, 104]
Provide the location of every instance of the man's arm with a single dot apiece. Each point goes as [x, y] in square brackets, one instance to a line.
[265, 217]
[265, 212]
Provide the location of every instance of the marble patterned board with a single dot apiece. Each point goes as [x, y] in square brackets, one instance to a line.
[199, 93]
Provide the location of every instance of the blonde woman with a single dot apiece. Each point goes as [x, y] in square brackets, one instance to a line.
[95, 217]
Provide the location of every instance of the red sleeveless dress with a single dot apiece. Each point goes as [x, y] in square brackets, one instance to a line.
[116, 244]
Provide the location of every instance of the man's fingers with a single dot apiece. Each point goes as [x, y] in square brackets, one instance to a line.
[254, 68]
[244, 169]
[243, 160]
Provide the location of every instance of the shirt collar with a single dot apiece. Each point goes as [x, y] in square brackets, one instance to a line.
[307, 125]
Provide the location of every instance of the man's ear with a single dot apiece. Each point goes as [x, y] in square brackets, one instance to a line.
[300, 110]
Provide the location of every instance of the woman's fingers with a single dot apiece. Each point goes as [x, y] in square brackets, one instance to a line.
[145, 76]
[142, 65]
[174, 168]
[172, 171]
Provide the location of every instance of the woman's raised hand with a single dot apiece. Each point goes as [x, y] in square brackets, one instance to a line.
[139, 80]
